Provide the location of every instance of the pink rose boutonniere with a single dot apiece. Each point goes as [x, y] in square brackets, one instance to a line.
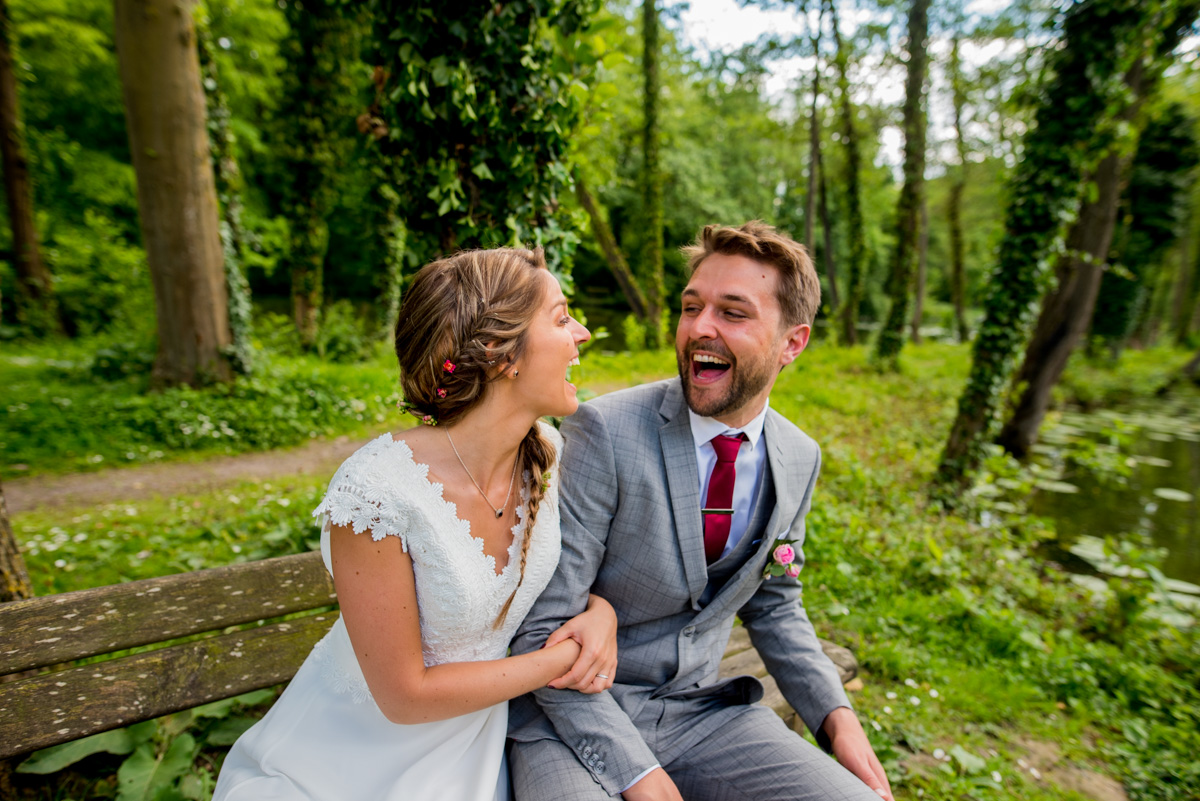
[782, 561]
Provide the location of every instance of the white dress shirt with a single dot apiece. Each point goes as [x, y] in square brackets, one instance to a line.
[751, 459]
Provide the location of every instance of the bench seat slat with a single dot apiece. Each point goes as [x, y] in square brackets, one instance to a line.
[119, 692]
[60, 628]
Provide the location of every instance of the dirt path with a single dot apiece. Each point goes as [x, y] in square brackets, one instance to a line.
[79, 489]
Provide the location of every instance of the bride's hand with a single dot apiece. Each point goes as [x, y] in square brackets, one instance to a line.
[596, 632]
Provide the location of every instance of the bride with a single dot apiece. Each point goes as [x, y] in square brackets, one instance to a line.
[438, 541]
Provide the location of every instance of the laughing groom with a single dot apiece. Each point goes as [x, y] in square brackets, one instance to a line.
[674, 495]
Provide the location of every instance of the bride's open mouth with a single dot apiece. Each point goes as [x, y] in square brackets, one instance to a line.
[573, 363]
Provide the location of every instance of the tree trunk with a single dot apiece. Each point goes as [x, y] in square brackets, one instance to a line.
[612, 251]
[164, 112]
[1066, 311]
[958, 276]
[816, 177]
[652, 180]
[228, 181]
[14, 577]
[827, 237]
[1181, 305]
[922, 271]
[1101, 44]
[891, 335]
[391, 236]
[856, 267]
[316, 114]
[35, 301]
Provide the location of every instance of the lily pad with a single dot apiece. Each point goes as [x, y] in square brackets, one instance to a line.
[1172, 494]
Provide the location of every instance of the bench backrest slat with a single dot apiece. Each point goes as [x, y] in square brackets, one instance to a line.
[52, 708]
[59, 628]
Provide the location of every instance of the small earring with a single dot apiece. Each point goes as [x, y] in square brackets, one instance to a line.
[516, 373]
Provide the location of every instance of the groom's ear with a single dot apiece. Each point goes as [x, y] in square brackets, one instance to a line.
[795, 340]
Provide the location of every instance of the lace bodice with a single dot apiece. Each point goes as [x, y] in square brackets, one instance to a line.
[381, 489]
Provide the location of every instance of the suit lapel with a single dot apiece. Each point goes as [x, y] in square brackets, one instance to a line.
[679, 456]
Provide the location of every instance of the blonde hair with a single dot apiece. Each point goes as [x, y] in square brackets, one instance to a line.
[799, 290]
[463, 322]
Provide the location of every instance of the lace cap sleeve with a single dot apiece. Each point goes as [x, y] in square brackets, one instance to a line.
[367, 492]
[551, 433]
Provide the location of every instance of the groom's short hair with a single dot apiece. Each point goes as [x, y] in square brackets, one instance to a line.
[799, 290]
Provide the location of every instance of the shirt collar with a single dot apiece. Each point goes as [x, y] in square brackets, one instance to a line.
[705, 428]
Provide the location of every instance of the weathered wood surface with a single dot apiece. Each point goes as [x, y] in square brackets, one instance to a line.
[57, 707]
[67, 704]
[60, 628]
[741, 659]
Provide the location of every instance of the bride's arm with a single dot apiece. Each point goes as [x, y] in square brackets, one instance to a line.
[377, 593]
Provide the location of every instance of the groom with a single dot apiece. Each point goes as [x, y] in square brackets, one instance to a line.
[673, 496]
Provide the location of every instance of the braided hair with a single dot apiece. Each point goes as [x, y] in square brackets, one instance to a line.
[463, 317]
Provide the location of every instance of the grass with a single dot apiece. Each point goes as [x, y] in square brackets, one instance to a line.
[1023, 682]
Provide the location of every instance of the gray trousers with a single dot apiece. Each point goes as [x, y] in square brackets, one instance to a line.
[750, 756]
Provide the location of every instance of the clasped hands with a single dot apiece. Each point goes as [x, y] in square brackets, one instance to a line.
[594, 632]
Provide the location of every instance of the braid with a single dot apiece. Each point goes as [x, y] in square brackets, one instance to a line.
[537, 456]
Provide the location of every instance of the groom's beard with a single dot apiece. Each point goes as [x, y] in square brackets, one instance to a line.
[746, 380]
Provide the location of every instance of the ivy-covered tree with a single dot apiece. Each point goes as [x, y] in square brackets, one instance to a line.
[36, 305]
[14, 576]
[228, 180]
[1072, 129]
[908, 208]
[315, 127]
[1066, 310]
[1152, 215]
[652, 179]
[476, 103]
[958, 273]
[856, 265]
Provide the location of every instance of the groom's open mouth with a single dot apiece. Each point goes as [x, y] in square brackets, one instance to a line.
[708, 368]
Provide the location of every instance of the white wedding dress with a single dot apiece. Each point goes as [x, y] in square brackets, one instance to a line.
[325, 738]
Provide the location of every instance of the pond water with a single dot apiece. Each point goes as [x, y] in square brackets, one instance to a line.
[1159, 444]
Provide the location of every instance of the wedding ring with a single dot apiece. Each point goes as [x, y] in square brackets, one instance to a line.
[601, 676]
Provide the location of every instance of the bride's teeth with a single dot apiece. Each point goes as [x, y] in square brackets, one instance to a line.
[574, 362]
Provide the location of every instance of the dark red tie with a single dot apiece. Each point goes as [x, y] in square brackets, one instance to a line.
[719, 503]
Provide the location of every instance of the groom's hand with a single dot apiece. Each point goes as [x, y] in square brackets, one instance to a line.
[853, 750]
[655, 786]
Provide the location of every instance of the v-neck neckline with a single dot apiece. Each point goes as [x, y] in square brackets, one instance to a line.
[464, 526]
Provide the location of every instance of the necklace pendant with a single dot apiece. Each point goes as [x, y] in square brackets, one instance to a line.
[499, 513]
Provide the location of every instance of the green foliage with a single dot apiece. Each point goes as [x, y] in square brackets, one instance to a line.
[475, 112]
[1163, 169]
[633, 333]
[60, 418]
[161, 753]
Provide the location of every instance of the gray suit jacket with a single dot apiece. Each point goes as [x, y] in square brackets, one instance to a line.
[632, 533]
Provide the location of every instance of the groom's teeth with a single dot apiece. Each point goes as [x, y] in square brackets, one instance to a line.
[704, 357]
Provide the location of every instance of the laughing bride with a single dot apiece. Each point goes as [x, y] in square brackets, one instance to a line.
[439, 540]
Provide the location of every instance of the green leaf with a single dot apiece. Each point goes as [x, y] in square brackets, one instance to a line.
[227, 731]
[1172, 494]
[968, 763]
[143, 776]
[481, 170]
[55, 758]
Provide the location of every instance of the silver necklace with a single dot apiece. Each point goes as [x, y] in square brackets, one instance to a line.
[499, 512]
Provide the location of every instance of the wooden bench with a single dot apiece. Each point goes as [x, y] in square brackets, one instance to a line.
[250, 626]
